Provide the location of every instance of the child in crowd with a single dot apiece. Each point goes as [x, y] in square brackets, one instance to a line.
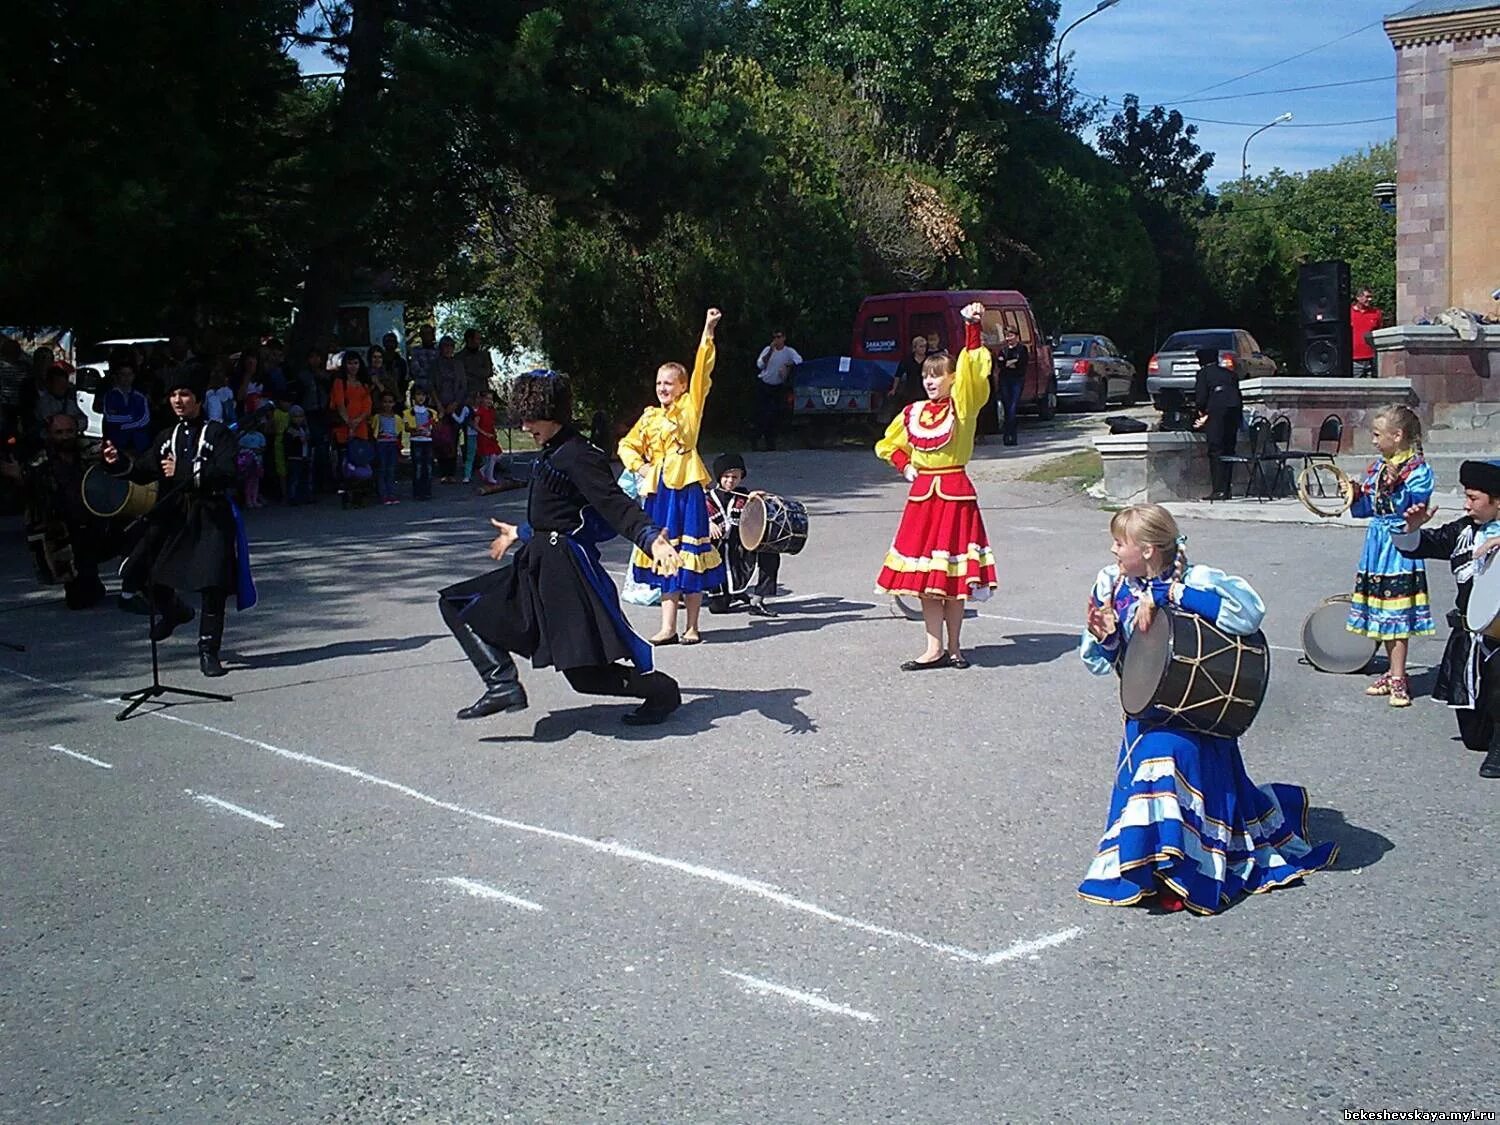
[1468, 679]
[463, 422]
[662, 450]
[249, 462]
[297, 448]
[487, 441]
[218, 402]
[281, 419]
[941, 553]
[726, 503]
[421, 421]
[1390, 590]
[388, 428]
[1186, 823]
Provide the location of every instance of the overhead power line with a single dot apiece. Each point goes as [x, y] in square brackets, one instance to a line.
[1280, 62]
[1300, 125]
[1288, 90]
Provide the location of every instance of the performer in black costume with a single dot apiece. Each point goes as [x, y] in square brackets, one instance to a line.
[726, 503]
[1216, 394]
[1468, 679]
[553, 602]
[193, 538]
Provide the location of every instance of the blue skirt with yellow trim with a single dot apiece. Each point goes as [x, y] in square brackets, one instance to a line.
[1390, 590]
[683, 512]
[1184, 813]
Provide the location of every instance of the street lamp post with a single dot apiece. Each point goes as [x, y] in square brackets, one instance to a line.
[1245, 152]
[1057, 63]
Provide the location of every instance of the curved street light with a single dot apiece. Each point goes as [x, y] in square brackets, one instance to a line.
[1245, 152]
[1057, 62]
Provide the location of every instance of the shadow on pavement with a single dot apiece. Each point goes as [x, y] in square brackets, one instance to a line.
[1358, 847]
[1022, 649]
[372, 647]
[699, 714]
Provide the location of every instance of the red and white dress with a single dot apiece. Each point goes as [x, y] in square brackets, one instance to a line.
[941, 549]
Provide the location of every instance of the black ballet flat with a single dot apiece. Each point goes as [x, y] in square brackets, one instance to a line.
[943, 661]
[958, 662]
[674, 639]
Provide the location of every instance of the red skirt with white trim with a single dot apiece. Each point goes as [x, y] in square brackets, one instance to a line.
[941, 549]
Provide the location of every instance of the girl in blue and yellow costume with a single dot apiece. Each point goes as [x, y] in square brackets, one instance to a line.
[941, 552]
[662, 450]
[1186, 823]
[1390, 590]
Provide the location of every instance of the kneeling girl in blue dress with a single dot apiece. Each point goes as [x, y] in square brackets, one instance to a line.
[1186, 824]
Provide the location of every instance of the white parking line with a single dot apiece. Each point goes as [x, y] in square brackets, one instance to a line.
[255, 816]
[1033, 947]
[82, 757]
[604, 847]
[755, 984]
[483, 890]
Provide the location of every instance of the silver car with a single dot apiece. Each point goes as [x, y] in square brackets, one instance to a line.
[1175, 366]
[1091, 373]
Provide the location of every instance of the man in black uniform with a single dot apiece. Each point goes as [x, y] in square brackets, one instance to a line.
[553, 602]
[193, 539]
[1216, 393]
[1011, 369]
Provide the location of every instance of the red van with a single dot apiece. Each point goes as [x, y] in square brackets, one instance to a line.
[886, 325]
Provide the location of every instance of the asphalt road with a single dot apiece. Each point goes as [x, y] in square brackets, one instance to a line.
[825, 891]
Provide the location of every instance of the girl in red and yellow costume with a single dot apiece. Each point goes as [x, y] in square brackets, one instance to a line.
[941, 552]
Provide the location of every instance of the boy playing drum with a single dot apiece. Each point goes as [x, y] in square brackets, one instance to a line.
[726, 504]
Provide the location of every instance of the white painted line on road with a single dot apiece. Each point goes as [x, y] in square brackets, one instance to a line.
[604, 847]
[82, 757]
[755, 984]
[255, 816]
[1033, 947]
[482, 890]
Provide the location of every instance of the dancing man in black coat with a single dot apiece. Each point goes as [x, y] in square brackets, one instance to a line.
[553, 602]
[193, 539]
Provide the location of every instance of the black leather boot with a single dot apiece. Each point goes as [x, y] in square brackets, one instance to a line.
[168, 617]
[1490, 767]
[502, 679]
[211, 636]
[661, 694]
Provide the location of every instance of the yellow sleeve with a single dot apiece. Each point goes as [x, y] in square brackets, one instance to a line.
[895, 438]
[702, 382]
[971, 383]
[632, 447]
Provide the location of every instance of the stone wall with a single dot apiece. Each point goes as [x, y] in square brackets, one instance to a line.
[1426, 224]
[1456, 381]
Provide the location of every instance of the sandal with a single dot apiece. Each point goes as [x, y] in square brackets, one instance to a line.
[1381, 686]
[1400, 692]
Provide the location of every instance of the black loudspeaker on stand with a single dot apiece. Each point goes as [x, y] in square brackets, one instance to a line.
[1323, 315]
[134, 700]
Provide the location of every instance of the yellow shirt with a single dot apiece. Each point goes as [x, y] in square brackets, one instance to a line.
[971, 390]
[662, 448]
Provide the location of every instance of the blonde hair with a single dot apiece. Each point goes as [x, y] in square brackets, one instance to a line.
[1151, 525]
[1405, 419]
[677, 370]
[937, 363]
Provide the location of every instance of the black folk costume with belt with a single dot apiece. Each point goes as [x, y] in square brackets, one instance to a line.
[552, 601]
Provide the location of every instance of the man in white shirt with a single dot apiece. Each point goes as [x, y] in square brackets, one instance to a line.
[775, 368]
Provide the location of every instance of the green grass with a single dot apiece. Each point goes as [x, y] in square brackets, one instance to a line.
[1084, 467]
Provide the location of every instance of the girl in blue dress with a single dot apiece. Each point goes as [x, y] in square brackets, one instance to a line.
[1186, 824]
[1390, 590]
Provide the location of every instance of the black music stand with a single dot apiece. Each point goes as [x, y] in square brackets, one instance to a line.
[134, 700]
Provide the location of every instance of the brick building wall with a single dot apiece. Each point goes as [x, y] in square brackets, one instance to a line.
[1428, 47]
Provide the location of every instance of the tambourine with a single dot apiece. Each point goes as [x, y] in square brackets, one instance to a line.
[1313, 474]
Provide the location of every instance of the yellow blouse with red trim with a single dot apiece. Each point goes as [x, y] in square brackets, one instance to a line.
[662, 447]
[937, 435]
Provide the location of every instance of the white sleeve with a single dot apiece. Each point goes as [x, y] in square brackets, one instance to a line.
[795, 359]
[1099, 658]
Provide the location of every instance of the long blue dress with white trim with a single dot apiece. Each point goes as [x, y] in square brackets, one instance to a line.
[1390, 589]
[1183, 811]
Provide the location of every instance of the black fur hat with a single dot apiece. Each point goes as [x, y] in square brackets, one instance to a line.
[726, 461]
[1482, 476]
